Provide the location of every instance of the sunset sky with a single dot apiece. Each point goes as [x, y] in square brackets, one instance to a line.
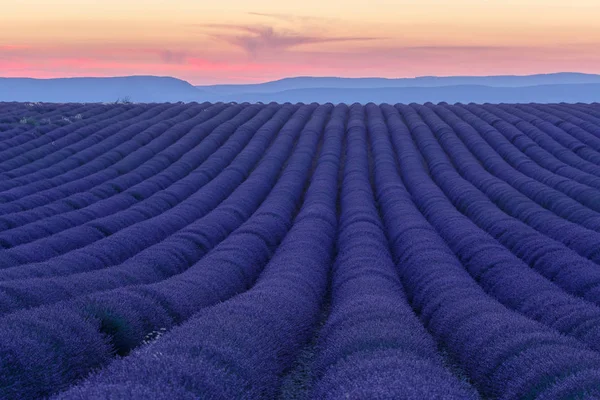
[237, 41]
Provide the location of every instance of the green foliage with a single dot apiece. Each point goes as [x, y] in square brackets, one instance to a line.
[124, 100]
[29, 120]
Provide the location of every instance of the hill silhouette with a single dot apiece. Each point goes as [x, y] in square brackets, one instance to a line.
[147, 89]
[547, 88]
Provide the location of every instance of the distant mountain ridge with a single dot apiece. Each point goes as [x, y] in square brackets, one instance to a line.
[147, 89]
[542, 88]
[423, 81]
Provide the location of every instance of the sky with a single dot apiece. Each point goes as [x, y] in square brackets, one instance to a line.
[243, 41]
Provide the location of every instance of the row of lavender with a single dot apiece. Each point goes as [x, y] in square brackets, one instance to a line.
[260, 251]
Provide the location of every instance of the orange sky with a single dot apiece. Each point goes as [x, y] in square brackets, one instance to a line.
[233, 41]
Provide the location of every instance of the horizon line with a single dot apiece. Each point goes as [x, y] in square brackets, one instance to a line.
[305, 77]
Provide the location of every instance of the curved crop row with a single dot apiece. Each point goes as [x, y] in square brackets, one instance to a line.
[135, 255]
[498, 271]
[112, 156]
[262, 251]
[505, 354]
[372, 345]
[45, 151]
[504, 186]
[249, 340]
[170, 166]
[575, 274]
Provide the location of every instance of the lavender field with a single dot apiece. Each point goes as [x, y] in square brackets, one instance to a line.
[299, 251]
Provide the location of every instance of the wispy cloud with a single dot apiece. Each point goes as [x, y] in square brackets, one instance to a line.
[285, 17]
[260, 39]
[173, 57]
[291, 17]
[11, 51]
